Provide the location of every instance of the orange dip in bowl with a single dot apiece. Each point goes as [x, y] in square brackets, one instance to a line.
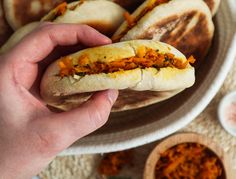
[189, 161]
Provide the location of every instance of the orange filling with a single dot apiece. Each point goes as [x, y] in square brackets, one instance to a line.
[132, 21]
[112, 163]
[188, 160]
[60, 9]
[81, 2]
[145, 58]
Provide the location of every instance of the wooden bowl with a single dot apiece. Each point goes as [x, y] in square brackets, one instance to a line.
[149, 171]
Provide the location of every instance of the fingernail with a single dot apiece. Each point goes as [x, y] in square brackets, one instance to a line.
[106, 40]
[112, 95]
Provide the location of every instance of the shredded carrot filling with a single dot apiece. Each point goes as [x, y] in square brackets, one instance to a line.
[81, 2]
[145, 58]
[61, 9]
[129, 19]
[132, 21]
[112, 163]
[188, 160]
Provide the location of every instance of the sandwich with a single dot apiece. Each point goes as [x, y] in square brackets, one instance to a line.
[5, 29]
[78, 12]
[213, 5]
[131, 66]
[18, 35]
[185, 24]
[105, 16]
[21, 12]
[129, 5]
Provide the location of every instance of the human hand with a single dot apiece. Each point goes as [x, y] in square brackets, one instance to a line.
[30, 134]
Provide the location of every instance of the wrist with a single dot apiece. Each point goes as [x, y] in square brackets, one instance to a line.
[12, 169]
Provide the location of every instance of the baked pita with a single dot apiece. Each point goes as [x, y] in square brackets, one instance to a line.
[68, 92]
[21, 12]
[129, 5]
[185, 24]
[127, 100]
[18, 35]
[105, 16]
[80, 13]
[5, 29]
[213, 5]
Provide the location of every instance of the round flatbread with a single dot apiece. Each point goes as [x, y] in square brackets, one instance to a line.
[106, 21]
[69, 91]
[5, 29]
[185, 24]
[127, 100]
[21, 12]
[213, 5]
[129, 5]
[18, 35]
[105, 16]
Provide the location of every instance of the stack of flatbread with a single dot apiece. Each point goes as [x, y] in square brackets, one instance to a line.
[16, 13]
[185, 24]
[105, 16]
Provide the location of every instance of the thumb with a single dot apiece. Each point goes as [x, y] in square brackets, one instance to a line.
[58, 131]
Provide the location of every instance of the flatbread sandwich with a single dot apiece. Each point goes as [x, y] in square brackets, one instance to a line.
[78, 12]
[185, 24]
[132, 66]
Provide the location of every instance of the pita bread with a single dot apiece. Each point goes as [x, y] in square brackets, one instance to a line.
[184, 24]
[21, 12]
[127, 100]
[18, 35]
[129, 5]
[102, 21]
[213, 5]
[5, 29]
[72, 91]
[105, 16]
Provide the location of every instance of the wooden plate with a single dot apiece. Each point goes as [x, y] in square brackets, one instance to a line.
[149, 172]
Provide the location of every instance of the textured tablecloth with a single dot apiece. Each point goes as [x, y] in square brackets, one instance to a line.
[84, 166]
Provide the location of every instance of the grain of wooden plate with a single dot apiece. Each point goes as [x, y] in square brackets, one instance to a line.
[149, 171]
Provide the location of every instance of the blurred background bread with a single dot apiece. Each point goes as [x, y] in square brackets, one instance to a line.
[21, 12]
[106, 21]
[5, 29]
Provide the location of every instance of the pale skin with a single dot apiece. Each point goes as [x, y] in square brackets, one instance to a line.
[30, 134]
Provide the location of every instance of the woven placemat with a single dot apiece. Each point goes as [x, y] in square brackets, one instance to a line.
[84, 166]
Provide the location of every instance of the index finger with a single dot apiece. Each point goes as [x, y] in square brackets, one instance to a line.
[38, 44]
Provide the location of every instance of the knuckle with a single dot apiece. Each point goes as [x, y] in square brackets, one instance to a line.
[101, 113]
[49, 143]
[86, 29]
[107, 103]
[46, 26]
[84, 26]
[97, 118]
